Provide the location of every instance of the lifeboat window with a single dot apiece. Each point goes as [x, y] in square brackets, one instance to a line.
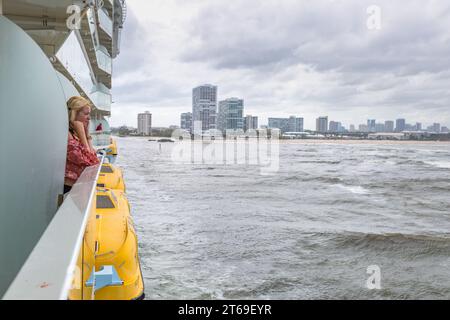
[104, 202]
[106, 169]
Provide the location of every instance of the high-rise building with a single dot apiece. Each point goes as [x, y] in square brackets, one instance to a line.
[295, 124]
[380, 127]
[444, 130]
[322, 124]
[389, 126]
[352, 128]
[400, 125]
[250, 122]
[363, 128]
[436, 127]
[204, 106]
[371, 124]
[279, 123]
[335, 126]
[291, 124]
[418, 126]
[186, 121]
[145, 123]
[230, 114]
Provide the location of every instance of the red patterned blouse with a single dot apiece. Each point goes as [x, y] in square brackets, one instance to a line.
[78, 159]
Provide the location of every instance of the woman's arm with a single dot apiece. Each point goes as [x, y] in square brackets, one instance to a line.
[91, 147]
[79, 128]
[89, 138]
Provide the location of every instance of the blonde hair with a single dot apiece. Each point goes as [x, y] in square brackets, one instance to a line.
[75, 104]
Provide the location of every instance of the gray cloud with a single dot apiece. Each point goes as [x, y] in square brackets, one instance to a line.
[133, 46]
[324, 34]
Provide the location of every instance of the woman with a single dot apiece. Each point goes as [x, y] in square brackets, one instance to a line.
[80, 152]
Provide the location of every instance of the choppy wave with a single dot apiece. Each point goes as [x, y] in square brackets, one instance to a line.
[306, 178]
[420, 244]
[322, 162]
[410, 162]
[395, 237]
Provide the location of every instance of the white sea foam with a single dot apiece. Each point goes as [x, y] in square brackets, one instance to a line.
[354, 189]
[439, 164]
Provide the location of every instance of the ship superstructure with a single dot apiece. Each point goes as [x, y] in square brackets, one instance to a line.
[51, 50]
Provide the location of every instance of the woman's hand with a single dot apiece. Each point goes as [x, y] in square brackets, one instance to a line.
[86, 128]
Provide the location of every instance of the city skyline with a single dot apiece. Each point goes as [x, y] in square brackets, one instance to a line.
[157, 122]
[185, 121]
[220, 113]
[264, 120]
[303, 65]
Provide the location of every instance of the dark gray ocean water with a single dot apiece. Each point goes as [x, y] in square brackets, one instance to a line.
[307, 232]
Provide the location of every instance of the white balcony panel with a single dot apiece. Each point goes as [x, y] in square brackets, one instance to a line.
[101, 97]
[105, 22]
[72, 58]
[67, 86]
[104, 60]
[92, 27]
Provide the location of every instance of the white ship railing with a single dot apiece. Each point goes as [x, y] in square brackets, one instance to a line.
[50, 269]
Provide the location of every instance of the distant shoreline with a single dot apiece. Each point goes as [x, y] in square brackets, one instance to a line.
[340, 141]
[323, 141]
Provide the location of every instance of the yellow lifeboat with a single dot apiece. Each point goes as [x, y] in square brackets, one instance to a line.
[108, 267]
[111, 151]
[111, 177]
[112, 148]
[117, 268]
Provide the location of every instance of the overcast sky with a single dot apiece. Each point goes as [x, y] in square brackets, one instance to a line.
[286, 57]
